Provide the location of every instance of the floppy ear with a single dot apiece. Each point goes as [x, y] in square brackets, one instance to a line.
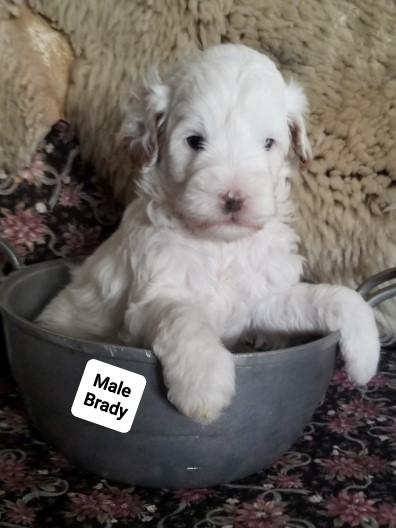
[297, 107]
[144, 120]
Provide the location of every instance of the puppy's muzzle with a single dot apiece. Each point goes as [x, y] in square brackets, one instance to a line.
[232, 202]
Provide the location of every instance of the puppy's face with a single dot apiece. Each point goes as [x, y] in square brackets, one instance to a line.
[223, 132]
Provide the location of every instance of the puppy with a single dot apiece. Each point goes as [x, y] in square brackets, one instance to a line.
[207, 252]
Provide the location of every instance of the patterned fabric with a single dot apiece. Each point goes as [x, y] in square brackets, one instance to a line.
[56, 207]
[341, 472]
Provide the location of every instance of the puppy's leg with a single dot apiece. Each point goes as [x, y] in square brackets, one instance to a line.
[325, 308]
[198, 370]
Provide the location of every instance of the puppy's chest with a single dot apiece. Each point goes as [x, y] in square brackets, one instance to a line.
[249, 275]
[229, 271]
[236, 275]
[243, 271]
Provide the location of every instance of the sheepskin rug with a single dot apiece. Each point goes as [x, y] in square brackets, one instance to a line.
[342, 51]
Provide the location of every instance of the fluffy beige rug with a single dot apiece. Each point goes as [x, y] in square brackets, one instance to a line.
[342, 51]
[35, 63]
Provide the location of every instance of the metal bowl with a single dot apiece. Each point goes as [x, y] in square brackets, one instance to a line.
[277, 393]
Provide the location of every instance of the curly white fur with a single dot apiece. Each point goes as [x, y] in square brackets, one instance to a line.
[206, 253]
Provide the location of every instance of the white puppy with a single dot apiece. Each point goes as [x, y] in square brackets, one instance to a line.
[206, 253]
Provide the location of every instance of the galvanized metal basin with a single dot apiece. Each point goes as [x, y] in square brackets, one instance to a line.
[277, 393]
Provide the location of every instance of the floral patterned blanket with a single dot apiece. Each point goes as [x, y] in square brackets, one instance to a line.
[56, 207]
[341, 472]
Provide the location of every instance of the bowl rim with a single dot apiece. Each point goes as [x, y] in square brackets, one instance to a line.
[110, 350]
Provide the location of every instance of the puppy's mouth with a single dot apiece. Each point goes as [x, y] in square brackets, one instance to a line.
[232, 222]
[235, 221]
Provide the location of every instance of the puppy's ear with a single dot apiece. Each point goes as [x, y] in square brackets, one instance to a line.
[144, 121]
[297, 107]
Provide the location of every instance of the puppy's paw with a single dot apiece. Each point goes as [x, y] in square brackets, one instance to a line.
[201, 393]
[360, 344]
[364, 355]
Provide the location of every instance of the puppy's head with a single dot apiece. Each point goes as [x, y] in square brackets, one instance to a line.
[214, 137]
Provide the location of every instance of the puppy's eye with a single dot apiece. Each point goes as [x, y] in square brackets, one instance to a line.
[196, 142]
[268, 143]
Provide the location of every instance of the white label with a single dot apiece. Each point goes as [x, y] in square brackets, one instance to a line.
[108, 395]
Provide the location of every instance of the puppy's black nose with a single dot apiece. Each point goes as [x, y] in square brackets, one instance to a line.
[232, 203]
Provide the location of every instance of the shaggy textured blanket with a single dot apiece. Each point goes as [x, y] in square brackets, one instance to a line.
[342, 51]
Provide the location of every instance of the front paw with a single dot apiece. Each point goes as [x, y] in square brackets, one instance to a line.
[360, 344]
[202, 391]
[365, 353]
